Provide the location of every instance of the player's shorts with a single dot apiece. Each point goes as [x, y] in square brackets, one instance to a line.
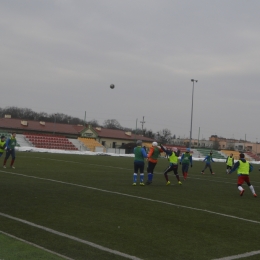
[138, 165]
[150, 167]
[185, 167]
[243, 178]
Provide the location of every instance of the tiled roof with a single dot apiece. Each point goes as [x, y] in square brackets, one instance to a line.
[119, 134]
[66, 129]
[16, 125]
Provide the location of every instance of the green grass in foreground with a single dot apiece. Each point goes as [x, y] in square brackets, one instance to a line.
[104, 208]
[13, 249]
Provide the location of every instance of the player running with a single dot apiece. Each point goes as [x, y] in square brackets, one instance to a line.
[243, 169]
[229, 162]
[10, 150]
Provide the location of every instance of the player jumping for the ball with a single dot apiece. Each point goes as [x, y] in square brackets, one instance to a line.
[173, 158]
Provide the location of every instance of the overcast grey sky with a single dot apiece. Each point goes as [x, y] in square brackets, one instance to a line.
[60, 56]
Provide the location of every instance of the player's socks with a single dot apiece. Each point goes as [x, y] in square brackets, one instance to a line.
[150, 177]
[141, 177]
[252, 189]
[134, 177]
[12, 162]
[240, 188]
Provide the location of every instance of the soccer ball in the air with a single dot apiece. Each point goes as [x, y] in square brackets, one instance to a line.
[112, 86]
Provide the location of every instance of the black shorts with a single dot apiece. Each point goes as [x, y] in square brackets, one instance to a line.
[138, 165]
[151, 167]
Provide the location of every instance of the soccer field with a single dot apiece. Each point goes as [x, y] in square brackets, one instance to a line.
[85, 207]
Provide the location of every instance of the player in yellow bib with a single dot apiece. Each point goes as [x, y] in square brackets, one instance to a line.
[243, 169]
[173, 158]
[229, 162]
[2, 145]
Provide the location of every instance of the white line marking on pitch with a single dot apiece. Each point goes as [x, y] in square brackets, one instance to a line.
[239, 256]
[32, 244]
[157, 173]
[136, 197]
[194, 177]
[115, 252]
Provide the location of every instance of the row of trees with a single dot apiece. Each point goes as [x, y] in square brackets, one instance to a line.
[163, 136]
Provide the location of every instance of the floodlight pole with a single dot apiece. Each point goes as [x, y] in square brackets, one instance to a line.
[192, 80]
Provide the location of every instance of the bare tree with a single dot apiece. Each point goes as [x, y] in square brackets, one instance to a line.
[112, 124]
[164, 136]
[148, 133]
[93, 122]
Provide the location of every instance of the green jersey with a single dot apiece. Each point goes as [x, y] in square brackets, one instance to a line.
[139, 153]
[186, 158]
[11, 143]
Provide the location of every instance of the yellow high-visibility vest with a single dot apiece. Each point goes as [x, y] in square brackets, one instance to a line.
[230, 161]
[243, 168]
[173, 158]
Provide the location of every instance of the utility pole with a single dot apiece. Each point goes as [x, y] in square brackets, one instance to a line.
[142, 122]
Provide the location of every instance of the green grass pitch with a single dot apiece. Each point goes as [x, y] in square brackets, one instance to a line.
[91, 198]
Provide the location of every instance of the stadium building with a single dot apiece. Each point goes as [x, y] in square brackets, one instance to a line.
[93, 138]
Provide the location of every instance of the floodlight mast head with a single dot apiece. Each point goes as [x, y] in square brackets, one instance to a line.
[194, 80]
